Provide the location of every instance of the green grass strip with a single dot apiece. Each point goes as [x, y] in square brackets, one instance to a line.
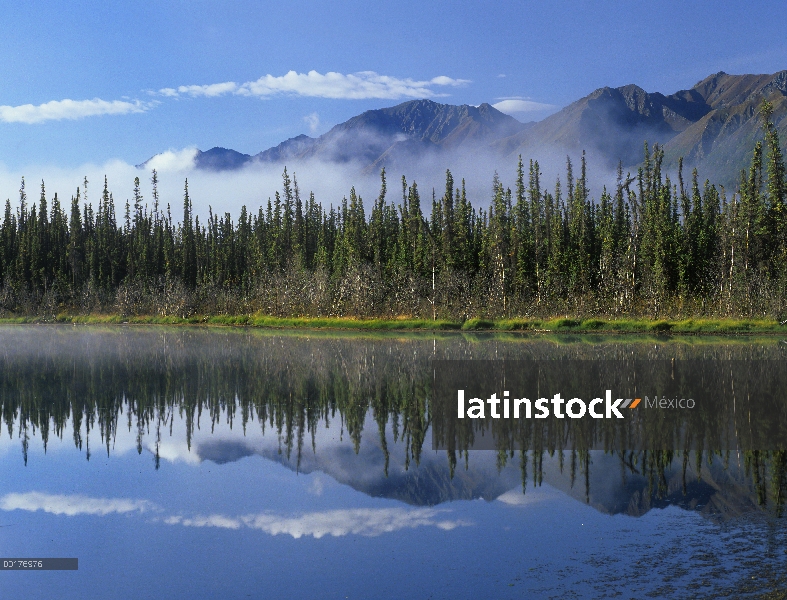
[557, 325]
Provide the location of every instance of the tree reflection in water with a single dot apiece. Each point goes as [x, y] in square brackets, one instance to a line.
[93, 381]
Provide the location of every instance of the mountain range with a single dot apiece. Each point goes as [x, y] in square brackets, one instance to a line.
[713, 125]
[720, 493]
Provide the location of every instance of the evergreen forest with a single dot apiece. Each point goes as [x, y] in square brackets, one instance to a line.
[648, 247]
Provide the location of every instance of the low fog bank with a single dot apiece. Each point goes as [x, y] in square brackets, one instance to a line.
[254, 184]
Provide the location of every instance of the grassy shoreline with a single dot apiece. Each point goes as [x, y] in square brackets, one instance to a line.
[555, 325]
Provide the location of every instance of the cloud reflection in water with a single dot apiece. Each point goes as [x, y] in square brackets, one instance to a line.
[368, 522]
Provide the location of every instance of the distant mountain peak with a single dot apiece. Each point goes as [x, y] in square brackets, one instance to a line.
[713, 125]
[399, 134]
[220, 159]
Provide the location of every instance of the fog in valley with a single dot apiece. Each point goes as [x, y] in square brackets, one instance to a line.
[253, 184]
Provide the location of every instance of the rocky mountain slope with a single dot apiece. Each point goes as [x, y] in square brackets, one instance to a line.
[384, 137]
[713, 125]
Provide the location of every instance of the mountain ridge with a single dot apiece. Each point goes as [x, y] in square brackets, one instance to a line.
[712, 125]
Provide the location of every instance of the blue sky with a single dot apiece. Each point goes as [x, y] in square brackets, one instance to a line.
[113, 59]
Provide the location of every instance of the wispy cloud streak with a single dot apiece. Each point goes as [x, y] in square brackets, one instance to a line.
[72, 504]
[313, 121]
[354, 86]
[368, 522]
[207, 91]
[57, 110]
[511, 106]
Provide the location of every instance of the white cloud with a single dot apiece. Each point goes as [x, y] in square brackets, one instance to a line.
[173, 160]
[313, 121]
[219, 521]
[73, 504]
[337, 523]
[208, 91]
[354, 86]
[543, 493]
[57, 110]
[443, 80]
[511, 106]
[174, 451]
[357, 521]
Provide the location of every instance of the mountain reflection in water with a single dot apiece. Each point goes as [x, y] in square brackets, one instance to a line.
[306, 400]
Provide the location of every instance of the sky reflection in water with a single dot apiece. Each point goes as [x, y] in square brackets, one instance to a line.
[236, 514]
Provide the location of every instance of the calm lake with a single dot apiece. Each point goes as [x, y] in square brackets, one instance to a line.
[230, 463]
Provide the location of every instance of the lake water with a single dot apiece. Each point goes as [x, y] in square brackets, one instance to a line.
[203, 463]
